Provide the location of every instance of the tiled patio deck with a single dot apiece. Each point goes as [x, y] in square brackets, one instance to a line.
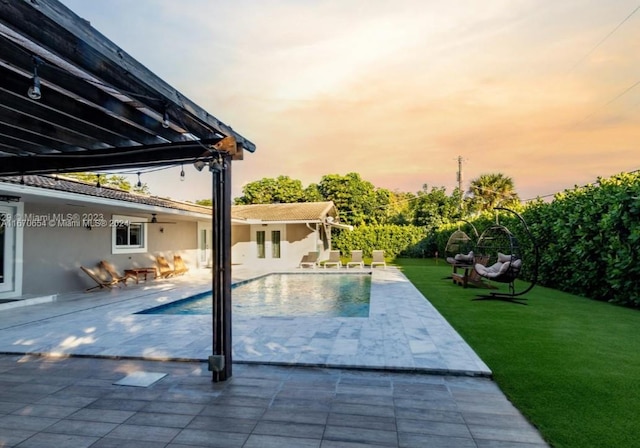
[73, 402]
[403, 331]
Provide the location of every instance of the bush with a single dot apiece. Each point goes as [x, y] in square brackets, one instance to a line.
[395, 240]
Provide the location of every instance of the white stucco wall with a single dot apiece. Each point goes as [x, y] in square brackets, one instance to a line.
[296, 240]
[53, 254]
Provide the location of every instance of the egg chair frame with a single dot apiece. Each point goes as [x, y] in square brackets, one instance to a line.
[459, 243]
[506, 259]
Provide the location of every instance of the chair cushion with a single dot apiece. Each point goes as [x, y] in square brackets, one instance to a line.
[468, 258]
[504, 268]
[502, 258]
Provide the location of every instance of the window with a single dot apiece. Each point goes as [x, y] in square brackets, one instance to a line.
[260, 240]
[275, 244]
[128, 235]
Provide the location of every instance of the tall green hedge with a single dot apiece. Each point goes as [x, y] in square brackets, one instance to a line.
[395, 240]
[590, 240]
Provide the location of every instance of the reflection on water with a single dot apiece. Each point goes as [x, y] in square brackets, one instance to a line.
[288, 295]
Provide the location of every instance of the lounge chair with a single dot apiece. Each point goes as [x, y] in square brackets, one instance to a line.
[101, 282]
[164, 268]
[334, 259]
[111, 270]
[356, 259]
[378, 259]
[310, 260]
[179, 267]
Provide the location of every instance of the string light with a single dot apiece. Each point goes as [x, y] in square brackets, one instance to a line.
[34, 89]
[165, 119]
[139, 184]
[98, 186]
[182, 172]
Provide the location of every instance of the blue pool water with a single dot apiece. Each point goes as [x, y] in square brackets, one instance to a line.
[287, 295]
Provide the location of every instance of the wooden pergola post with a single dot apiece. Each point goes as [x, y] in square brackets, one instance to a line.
[220, 361]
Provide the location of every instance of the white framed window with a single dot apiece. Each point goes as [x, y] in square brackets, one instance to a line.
[128, 234]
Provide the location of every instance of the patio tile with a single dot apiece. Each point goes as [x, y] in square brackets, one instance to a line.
[144, 433]
[261, 405]
[47, 440]
[371, 436]
[216, 439]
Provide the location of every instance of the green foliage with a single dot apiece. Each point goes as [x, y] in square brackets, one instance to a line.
[106, 180]
[395, 240]
[282, 189]
[400, 209]
[589, 237]
[355, 198]
[492, 190]
[205, 202]
[432, 209]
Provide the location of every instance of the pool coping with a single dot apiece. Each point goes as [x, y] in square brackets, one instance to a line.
[404, 332]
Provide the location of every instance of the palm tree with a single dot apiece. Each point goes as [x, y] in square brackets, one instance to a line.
[492, 190]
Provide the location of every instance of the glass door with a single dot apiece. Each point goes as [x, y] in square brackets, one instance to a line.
[205, 235]
[7, 258]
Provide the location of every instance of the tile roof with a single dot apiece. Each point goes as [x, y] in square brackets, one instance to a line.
[82, 188]
[298, 211]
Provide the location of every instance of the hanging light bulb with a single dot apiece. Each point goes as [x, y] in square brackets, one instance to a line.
[98, 186]
[139, 184]
[165, 119]
[182, 172]
[34, 89]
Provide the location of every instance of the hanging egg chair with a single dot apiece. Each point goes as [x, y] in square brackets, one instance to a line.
[508, 258]
[460, 246]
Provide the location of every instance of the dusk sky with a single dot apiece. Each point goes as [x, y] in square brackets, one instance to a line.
[544, 91]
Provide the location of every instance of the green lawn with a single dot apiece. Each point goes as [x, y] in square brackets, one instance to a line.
[570, 364]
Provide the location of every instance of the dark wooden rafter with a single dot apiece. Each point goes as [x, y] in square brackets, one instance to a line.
[123, 158]
[54, 77]
[94, 97]
[55, 28]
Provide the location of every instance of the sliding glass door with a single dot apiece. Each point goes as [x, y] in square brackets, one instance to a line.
[7, 253]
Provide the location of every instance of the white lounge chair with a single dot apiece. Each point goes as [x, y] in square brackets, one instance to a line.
[378, 259]
[334, 259]
[356, 260]
[310, 260]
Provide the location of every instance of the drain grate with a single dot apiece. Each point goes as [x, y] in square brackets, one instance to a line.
[140, 379]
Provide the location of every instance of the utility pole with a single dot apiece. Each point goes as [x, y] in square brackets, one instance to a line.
[459, 173]
[459, 179]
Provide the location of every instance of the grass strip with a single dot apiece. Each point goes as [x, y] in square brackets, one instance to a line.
[571, 365]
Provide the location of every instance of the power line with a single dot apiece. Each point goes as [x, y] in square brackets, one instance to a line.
[605, 38]
[621, 94]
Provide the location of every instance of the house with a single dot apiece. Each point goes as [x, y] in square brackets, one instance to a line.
[50, 226]
[278, 235]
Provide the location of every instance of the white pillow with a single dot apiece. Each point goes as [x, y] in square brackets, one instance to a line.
[463, 257]
[502, 258]
[504, 268]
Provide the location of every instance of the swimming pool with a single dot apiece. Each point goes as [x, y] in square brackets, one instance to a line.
[287, 295]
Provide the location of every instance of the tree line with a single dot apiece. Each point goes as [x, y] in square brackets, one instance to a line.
[360, 203]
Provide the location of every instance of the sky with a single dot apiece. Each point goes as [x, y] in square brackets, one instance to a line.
[546, 92]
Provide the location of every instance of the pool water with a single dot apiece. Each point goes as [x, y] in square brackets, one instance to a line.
[287, 295]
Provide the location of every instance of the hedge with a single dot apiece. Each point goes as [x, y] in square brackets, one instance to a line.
[395, 240]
